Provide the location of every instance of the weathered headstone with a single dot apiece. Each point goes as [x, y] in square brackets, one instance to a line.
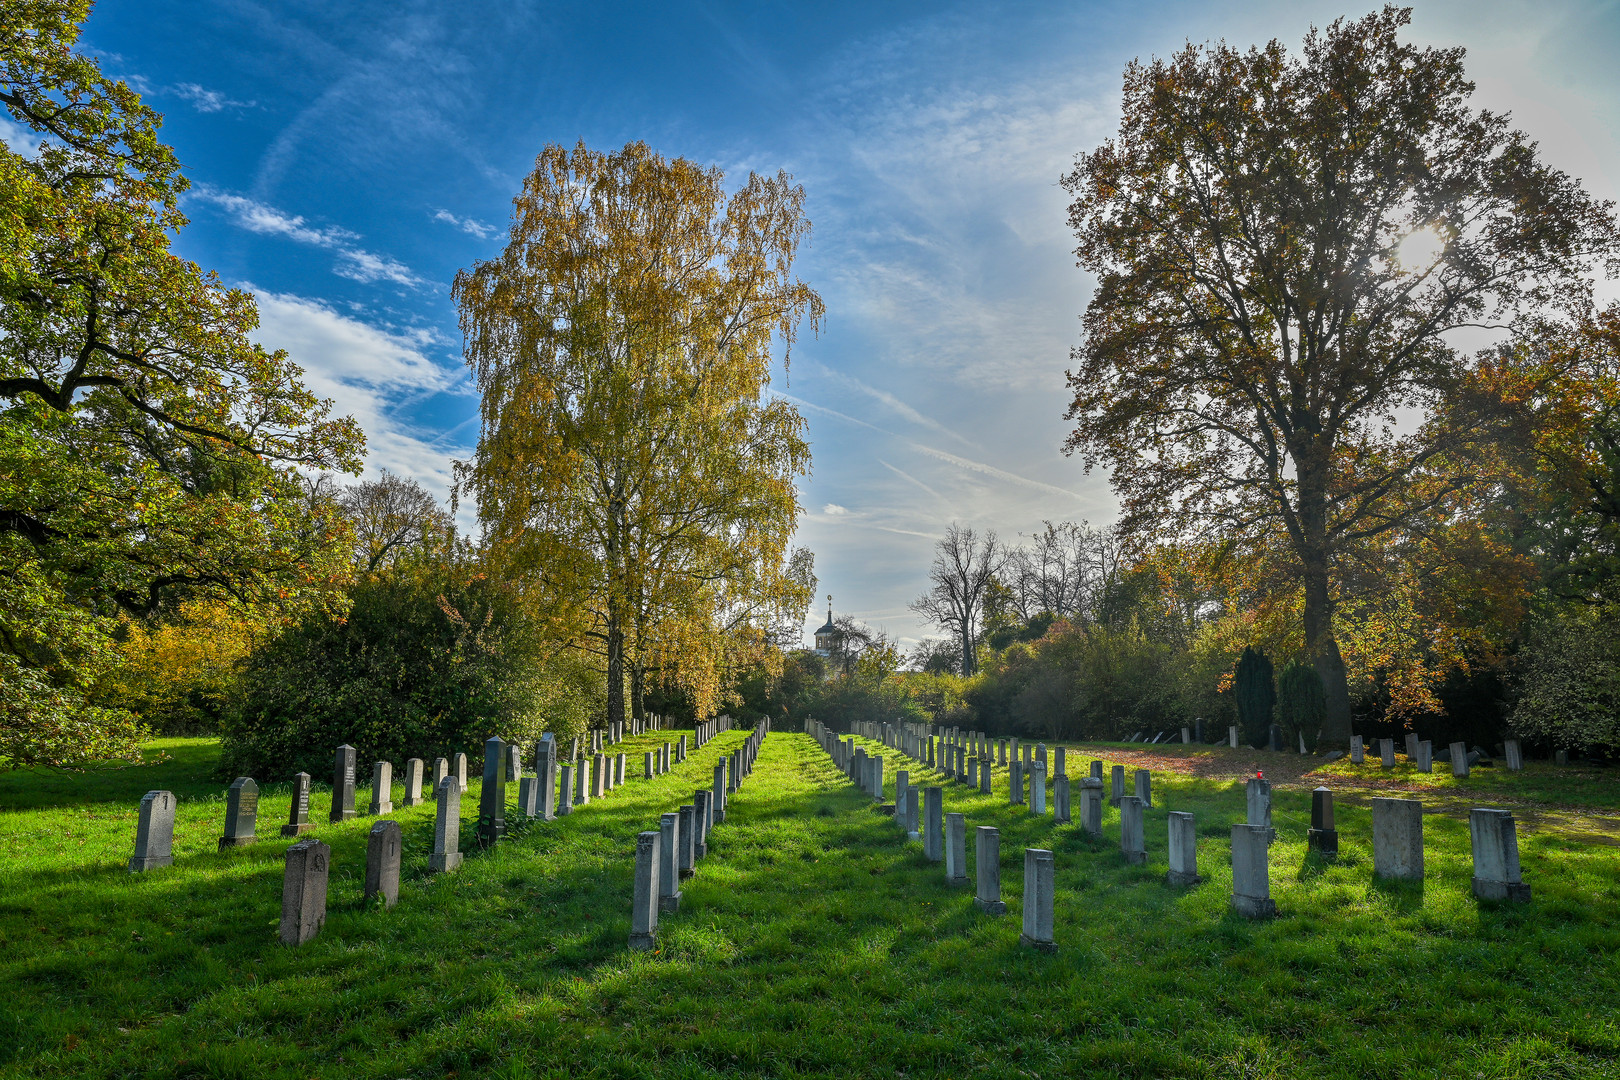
[1059, 762]
[1040, 889]
[545, 776]
[565, 793]
[154, 832]
[700, 823]
[644, 900]
[1183, 850]
[1091, 800]
[1323, 837]
[955, 849]
[383, 846]
[382, 788]
[1037, 790]
[902, 781]
[647, 765]
[685, 841]
[1386, 753]
[933, 824]
[1232, 736]
[446, 854]
[913, 813]
[1515, 756]
[1096, 769]
[1411, 745]
[1459, 759]
[1357, 753]
[1560, 757]
[987, 866]
[599, 769]
[342, 785]
[458, 768]
[1015, 783]
[492, 799]
[1001, 753]
[1251, 872]
[241, 813]
[618, 770]
[529, 796]
[669, 860]
[303, 891]
[1425, 756]
[1186, 735]
[1198, 729]
[1144, 786]
[1117, 774]
[1398, 838]
[298, 813]
[413, 782]
[1060, 800]
[441, 769]
[1495, 842]
[985, 777]
[1132, 842]
[718, 802]
[514, 763]
[1258, 799]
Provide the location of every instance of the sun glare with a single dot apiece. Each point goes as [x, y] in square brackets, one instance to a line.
[1420, 249]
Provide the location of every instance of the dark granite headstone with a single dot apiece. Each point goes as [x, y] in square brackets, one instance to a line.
[298, 814]
[303, 891]
[343, 785]
[241, 811]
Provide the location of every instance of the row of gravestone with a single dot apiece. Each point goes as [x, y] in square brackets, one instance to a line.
[668, 855]
[1397, 837]
[308, 862]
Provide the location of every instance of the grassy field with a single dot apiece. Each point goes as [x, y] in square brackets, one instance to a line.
[814, 941]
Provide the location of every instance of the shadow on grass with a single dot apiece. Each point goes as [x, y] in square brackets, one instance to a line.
[1401, 894]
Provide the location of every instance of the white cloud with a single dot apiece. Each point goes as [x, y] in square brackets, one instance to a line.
[371, 374]
[206, 101]
[834, 510]
[354, 263]
[22, 140]
[467, 225]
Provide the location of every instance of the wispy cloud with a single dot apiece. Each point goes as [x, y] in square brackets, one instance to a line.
[834, 510]
[467, 225]
[205, 100]
[902, 474]
[354, 262]
[893, 404]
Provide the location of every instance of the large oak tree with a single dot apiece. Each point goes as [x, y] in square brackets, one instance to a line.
[1285, 246]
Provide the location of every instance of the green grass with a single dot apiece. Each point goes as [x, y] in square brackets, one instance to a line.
[814, 941]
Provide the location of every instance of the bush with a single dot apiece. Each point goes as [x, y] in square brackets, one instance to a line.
[1255, 695]
[1569, 690]
[181, 677]
[423, 665]
[1301, 703]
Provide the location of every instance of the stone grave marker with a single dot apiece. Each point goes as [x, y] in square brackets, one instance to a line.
[1183, 850]
[700, 823]
[303, 891]
[441, 769]
[912, 811]
[669, 860]
[644, 901]
[1091, 800]
[529, 796]
[718, 801]
[1037, 790]
[1144, 786]
[1386, 753]
[955, 849]
[1251, 872]
[514, 763]
[987, 864]
[241, 813]
[458, 766]
[382, 788]
[342, 785]
[1117, 774]
[1060, 800]
[1515, 756]
[1495, 841]
[1132, 843]
[545, 776]
[492, 799]
[154, 832]
[447, 828]
[1323, 837]
[298, 813]
[1425, 756]
[1398, 839]
[1040, 889]
[1232, 736]
[383, 846]
[1459, 759]
[933, 824]
[413, 782]
[685, 841]
[1015, 783]
[1258, 800]
[565, 782]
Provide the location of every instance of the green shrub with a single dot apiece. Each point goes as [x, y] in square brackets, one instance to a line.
[1256, 696]
[1301, 703]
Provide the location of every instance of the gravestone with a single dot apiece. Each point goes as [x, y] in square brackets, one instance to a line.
[913, 815]
[618, 770]
[1096, 769]
[1251, 872]
[718, 801]
[933, 824]
[1132, 843]
[1425, 756]
[984, 777]
[955, 849]
[458, 768]
[1060, 762]
[669, 860]
[1037, 790]
[582, 783]
[1144, 786]
[1514, 755]
[1198, 730]
[1258, 800]
[1561, 757]
[342, 785]
[545, 776]
[1118, 793]
[1060, 800]
[1386, 753]
[1398, 839]
[298, 813]
[1040, 888]
[1459, 759]
[1001, 752]
[1274, 741]
[1091, 800]
[598, 776]
[1323, 837]
[1411, 745]
[382, 862]
[987, 864]
[1186, 735]
[1232, 736]
[529, 797]
[644, 899]
[685, 841]
[303, 891]
[447, 828]
[902, 781]
[492, 800]
[441, 769]
[413, 782]
[700, 823]
[1495, 841]
[514, 763]
[647, 765]
[1015, 783]
[565, 792]
[382, 788]
[1183, 850]
[154, 832]
[241, 813]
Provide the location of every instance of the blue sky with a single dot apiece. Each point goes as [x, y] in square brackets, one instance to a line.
[348, 159]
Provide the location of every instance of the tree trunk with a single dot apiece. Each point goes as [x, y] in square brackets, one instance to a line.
[615, 670]
[967, 651]
[638, 688]
[1315, 559]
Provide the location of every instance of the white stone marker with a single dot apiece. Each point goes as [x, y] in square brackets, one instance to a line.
[913, 802]
[1037, 791]
[514, 763]
[1495, 841]
[241, 813]
[382, 788]
[1515, 756]
[1459, 759]
[441, 769]
[669, 862]
[1144, 786]
[1091, 800]
[644, 900]
[987, 866]
[955, 850]
[154, 832]
[1251, 872]
[1131, 841]
[565, 801]
[1386, 753]
[303, 891]
[1398, 838]
[447, 828]
[933, 824]
[1411, 745]
[1232, 736]
[1357, 753]
[1425, 756]
[458, 767]
[1258, 792]
[413, 782]
[1183, 850]
[383, 845]
[1040, 887]
[1186, 735]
